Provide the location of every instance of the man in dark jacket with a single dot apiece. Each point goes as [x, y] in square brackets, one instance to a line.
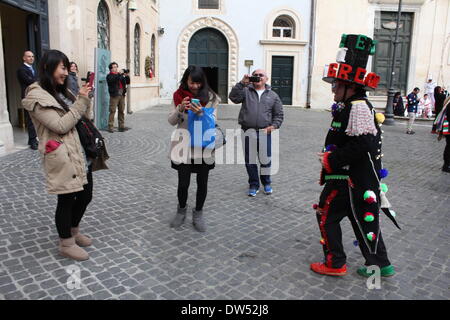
[117, 87]
[27, 75]
[413, 102]
[352, 165]
[260, 115]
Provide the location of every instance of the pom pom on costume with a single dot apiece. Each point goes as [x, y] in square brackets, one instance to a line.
[322, 241]
[369, 217]
[370, 197]
[380, 118]
[330, 148]
[384, 187]
[383, 173]
[371, 236]
[315, 206]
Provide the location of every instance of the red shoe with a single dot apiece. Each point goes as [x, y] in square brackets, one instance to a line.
[321, 268]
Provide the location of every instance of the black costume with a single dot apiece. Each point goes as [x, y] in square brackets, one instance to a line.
[353, 165]
[27, 76]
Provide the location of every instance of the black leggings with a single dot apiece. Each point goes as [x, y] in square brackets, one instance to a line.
[71, 208]
[184, 180]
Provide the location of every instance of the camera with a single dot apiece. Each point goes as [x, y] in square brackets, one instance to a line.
[255, 79]
[125, 71]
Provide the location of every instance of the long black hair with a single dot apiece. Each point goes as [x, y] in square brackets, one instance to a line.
[198, 75]
[437, 90]
[47, 67]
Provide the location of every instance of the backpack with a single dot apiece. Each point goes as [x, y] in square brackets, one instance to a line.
[90, 138]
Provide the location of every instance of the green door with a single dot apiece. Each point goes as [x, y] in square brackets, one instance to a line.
[282, 77]
[385, 34]
[208, 48]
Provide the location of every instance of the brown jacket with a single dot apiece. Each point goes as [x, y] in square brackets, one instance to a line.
[64, 168]
[180, 150]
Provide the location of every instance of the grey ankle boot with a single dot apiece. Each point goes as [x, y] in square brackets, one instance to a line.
[198, 221]
[179, 218]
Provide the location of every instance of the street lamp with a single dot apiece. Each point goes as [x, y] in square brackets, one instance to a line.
[389, 113]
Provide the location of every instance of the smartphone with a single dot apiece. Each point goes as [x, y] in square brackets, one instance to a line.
[255, 79]
[195, 101]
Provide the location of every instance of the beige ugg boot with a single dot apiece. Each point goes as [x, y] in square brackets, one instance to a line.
[69, 249]
[81, 240]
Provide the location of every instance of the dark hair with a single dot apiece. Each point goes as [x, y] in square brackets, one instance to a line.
[416, 89]
[397, 94]
[47, 67]
[111, 65]
[197, 75]
[71, 63]
[437, 90]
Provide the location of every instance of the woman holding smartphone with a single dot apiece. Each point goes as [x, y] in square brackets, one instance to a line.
[68, 171]
[194, 94]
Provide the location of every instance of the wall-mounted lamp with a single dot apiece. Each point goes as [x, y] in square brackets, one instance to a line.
[132, 5]
[161, 31]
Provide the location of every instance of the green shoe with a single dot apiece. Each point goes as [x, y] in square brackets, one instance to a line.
[387, 271]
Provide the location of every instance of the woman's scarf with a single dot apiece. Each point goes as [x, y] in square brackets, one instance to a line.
[180, 94]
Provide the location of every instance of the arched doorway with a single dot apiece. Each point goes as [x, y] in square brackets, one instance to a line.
[208, 48]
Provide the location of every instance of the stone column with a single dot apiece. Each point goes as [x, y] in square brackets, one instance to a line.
[6, 132]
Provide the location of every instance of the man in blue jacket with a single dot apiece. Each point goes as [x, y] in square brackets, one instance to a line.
[413, 102]
[261, 113]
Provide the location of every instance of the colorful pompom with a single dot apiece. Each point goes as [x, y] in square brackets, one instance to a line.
[322, 241]
[315, 206]
[330, 148]
[371, 236]
[384, 187]
[369, 217]
[370, 197]
[380, 118]
[383, 173]
[356, 243]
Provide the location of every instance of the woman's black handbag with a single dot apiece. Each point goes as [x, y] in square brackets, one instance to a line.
[221, 139]
[90, 138]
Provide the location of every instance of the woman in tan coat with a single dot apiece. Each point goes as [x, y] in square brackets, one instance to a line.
[186, 159]
[55, 113]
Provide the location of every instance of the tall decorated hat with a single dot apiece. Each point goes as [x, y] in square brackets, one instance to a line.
[351, 62]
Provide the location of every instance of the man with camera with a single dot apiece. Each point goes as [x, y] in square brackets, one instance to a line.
[117, 87]
[261, 113]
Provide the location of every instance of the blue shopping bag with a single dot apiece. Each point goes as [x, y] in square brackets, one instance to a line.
[202, 128]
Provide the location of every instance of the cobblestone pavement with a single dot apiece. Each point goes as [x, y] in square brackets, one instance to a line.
[255, 248]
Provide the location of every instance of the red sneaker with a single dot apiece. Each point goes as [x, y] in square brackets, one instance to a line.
[321, 268]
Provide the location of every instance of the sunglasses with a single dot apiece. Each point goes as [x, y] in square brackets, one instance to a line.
[259, 75]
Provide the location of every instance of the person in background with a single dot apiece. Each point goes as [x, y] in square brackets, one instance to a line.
[429, 89]
[27, 76]
[413, 102]
[72, 79]
[425, 107]
[194, 85]
[117, 87]
[399, 108]
[261, 114]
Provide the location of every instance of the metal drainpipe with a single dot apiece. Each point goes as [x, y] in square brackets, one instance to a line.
[311, 52]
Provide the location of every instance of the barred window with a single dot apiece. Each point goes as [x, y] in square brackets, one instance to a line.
[283, 27]
[153, 56]
[208, 4]
[103, 26]
[137, 50]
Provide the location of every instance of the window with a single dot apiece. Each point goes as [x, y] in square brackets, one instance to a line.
[153, 56]
[283, 27]
[208, 4]
[137, 50]
[103, 26]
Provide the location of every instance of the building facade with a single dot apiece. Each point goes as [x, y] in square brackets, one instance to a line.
[230, 38]
[77, 27]
[423, 49]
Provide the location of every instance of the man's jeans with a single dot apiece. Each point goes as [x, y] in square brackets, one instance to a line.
[257, 144]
